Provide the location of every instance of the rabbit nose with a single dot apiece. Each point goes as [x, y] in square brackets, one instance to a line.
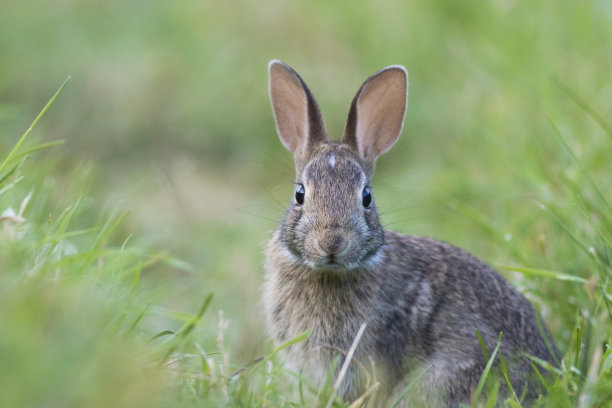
[333, 243]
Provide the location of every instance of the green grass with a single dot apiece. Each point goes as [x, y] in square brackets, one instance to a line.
[154, 180]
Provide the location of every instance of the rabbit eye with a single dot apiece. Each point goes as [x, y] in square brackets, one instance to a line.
[366, 197]
[299, 194]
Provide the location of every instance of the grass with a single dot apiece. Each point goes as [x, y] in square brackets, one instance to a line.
[153, 180]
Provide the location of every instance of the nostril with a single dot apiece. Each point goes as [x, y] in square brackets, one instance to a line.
[332, 227]
[337, 242]
[333, 243]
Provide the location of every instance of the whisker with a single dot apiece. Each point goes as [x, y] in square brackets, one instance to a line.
[392, 210]
[269, 207]
[396, 202]
[403, 220]
[242, 210]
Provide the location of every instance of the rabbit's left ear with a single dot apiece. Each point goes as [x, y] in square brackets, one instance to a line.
[376, 116]
[298, 120]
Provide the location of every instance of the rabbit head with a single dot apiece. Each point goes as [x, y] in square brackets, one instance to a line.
[332, 223]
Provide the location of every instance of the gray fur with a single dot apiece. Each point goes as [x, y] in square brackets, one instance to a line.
[331, 267]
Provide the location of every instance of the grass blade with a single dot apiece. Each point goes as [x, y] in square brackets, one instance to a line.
[161, 334]
[547, 341]
[347, 362]
[139, 318]
[547, 273]
[585, 106]
[297, 339]
[42, 146]
[578, 344]
[507, 378]
[136, 278]
[405, 391]
[544, 364]
[601, 196]
[485, 373]
[492, 400]
[541, 378]
[568, 230]
[188, 327]
[11, 185]
[108, 227]
[606, 367]
[11, 171]
[484, 348]
[23, 137]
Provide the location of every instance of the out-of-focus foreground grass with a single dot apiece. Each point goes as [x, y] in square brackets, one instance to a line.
[505, 152]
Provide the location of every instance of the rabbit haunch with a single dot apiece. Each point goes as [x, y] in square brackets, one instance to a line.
[331, 266]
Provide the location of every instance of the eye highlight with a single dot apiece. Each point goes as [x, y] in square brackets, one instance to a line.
[366, 197]
[299, 194]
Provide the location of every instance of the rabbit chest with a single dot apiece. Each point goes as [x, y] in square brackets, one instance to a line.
[330, 305]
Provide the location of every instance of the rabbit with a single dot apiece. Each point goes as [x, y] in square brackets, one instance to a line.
[331, 267]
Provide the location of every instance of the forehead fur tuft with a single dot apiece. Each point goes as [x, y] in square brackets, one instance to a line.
[334, 165]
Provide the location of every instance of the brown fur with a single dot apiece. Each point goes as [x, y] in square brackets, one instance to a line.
[331, 267]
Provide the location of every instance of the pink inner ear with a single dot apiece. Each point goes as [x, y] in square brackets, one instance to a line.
[381, 107]
[298, 120]
[289, 104]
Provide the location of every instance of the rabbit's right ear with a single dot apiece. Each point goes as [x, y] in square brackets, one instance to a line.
[298, 119]
[376, 116]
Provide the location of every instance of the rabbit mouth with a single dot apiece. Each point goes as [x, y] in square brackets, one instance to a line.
[331, 263]
[334, 257]
[328, 262]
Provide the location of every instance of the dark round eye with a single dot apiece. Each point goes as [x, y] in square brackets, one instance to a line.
[366, 197]
[299, 194]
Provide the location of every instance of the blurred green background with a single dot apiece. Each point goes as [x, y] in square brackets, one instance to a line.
[167, 116]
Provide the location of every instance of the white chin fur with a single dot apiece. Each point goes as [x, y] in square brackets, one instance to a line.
[369, 263]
